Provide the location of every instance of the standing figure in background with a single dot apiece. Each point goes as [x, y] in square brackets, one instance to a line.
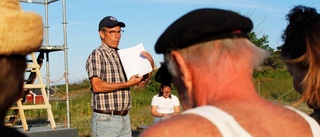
[111, 95]
[164, 105]
[210, 60]
[21, 33]
[301, 53]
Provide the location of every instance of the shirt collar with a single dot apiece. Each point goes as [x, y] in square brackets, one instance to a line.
[108, 48]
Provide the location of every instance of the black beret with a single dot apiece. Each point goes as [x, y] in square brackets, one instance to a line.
[198, 26]
[203, 25]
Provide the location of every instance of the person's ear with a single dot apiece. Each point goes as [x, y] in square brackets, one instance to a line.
[184, 70]
[102, 34]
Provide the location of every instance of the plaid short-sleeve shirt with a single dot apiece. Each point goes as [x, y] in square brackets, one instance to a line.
[105, 63]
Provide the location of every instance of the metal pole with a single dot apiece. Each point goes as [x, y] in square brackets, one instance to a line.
[47, 44]
[66, 59]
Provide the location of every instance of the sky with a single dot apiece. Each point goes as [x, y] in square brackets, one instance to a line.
[145, 21]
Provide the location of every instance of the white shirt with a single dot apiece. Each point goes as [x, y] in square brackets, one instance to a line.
[229, 127]
[165, 105]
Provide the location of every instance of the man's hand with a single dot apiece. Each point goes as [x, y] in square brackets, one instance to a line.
[135, 80]
[146, 77]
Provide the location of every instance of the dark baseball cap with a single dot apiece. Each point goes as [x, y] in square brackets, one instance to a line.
[199, 26]
[110, 22]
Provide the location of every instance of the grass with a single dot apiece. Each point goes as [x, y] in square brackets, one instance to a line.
[275, 86]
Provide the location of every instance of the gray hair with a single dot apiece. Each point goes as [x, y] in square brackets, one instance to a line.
[217, 52]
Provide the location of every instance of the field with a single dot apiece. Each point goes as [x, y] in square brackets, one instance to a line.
[275, 86]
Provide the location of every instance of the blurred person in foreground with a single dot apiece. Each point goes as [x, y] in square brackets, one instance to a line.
[210, 61]
[301, 53]
[111, 95]
[21, 33]
[164, 105]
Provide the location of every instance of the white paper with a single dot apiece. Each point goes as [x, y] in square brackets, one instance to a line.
[133, 62]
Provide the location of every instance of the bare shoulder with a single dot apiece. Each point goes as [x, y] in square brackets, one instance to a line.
[274, 120]
[183, 125]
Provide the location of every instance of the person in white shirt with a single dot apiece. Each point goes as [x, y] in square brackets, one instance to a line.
[164, 105]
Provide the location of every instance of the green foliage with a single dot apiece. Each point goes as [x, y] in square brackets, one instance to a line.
[85, 83]
[275, 85]
[140, 112]
[80, 112]
[274, 59]
[260, 42]
[265, 73]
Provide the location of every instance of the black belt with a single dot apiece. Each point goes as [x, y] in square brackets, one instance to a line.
[122, 113]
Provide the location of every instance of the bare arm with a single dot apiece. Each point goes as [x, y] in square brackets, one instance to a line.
[101, 86]
[154, 111]
[176, 110]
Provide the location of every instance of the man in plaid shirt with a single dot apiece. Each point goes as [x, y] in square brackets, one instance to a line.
[111, 99]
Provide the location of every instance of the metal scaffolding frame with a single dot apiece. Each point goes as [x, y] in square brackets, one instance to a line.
[46, 48]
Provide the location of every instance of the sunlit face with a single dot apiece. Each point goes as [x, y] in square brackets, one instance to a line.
[166, 91]
[111, 36]
[298, 74]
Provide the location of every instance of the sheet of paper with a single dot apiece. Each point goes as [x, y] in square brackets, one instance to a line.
[134, 63]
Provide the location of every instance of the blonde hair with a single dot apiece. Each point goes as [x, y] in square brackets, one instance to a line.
[311, 82]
